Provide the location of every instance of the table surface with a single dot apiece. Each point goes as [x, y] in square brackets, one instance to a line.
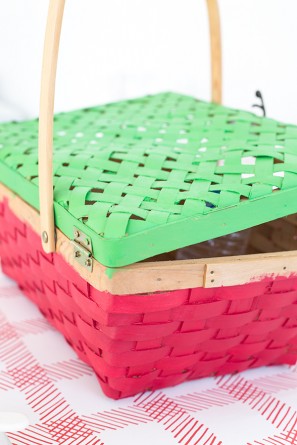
[42, 377]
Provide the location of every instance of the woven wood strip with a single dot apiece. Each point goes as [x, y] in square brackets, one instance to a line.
[150, 341]
[128, 167]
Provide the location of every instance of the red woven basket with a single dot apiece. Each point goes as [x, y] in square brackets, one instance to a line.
[144, 342]
[148, 325]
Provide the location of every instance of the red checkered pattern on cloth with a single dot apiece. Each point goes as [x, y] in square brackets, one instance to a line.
[65, 405]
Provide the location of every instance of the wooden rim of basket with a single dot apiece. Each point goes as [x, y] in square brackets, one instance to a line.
[48, 80]
[162, 276]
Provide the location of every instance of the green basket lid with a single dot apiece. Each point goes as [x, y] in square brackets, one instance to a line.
[150, 175]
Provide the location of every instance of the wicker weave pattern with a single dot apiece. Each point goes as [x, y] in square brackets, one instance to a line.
[137, 342]
[130, 166]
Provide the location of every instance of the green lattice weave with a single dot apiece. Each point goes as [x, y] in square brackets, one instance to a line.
[150, 175]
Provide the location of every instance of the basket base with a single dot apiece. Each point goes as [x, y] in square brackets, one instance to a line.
[145, 342]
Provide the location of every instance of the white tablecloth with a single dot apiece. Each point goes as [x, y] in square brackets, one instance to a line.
[41, 376]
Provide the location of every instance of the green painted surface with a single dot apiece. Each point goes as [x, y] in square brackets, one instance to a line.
[150, 175]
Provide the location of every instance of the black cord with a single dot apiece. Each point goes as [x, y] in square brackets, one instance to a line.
[262, 105]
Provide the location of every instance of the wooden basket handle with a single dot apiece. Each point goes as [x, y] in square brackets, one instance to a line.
[47, 98]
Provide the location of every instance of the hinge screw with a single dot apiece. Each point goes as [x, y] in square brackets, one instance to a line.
[88, 263]
[45, 237]
[77, 254]
[76, 234]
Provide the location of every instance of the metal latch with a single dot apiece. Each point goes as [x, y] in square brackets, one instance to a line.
[82, 249]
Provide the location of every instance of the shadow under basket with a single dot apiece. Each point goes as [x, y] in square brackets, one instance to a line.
[145, 341]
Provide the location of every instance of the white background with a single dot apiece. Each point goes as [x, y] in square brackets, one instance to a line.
[125, 48]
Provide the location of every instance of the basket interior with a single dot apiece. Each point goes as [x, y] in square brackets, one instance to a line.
[279, 235]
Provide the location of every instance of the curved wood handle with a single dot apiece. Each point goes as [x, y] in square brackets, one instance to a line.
[216, 50]
[47, 98]
[46, 124]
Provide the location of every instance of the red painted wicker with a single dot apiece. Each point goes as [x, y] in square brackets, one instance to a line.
[140, 342]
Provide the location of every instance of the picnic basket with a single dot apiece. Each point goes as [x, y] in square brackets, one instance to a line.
[130, 183]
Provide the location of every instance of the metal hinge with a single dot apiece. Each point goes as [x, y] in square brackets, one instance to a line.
[82, 249]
